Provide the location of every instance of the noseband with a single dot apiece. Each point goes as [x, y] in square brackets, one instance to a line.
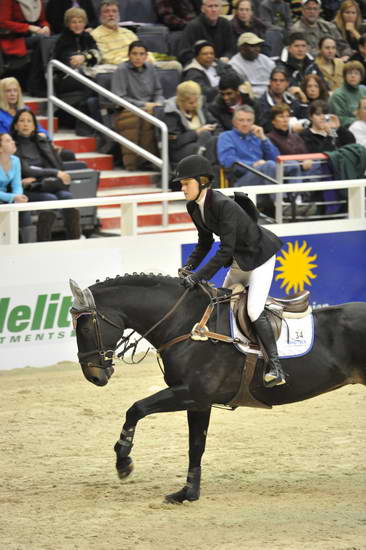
[105, 356]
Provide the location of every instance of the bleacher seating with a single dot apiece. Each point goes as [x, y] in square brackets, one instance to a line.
[140, 11]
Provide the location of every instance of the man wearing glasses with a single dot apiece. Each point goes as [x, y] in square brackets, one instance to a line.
[314, 28]
[209, 26]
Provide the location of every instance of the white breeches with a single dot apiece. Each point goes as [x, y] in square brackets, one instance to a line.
[259, 281]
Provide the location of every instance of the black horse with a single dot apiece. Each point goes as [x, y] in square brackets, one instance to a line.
[202, 373]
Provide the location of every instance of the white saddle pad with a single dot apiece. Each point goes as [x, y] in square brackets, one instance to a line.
[296, 338]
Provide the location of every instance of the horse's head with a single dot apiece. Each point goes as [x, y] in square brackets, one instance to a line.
[96, 336]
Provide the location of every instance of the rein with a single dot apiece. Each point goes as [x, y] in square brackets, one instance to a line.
[126, 340]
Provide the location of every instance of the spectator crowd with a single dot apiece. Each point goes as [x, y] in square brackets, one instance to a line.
[238, 81]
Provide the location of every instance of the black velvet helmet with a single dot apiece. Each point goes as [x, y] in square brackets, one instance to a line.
[193, 166]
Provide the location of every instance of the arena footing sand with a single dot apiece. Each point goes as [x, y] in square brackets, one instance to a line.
[293, 478]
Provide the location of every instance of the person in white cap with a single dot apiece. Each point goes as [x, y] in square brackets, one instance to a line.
[251, 64]
[314, 27]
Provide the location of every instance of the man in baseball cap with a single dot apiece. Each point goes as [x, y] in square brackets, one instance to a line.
[315, 27]
[251, 64]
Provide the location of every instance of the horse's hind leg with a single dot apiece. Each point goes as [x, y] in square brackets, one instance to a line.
[168, 400]
[198, 422]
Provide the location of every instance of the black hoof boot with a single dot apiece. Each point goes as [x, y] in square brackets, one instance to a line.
[124, 467]
[190, 492]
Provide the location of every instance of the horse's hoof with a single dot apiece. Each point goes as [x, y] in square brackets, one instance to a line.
[124, 467]
[181, 496]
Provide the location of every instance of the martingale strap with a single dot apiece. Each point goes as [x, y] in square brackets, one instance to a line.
[200, 332]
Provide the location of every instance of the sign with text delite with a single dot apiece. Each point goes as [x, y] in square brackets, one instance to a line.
[332, 266]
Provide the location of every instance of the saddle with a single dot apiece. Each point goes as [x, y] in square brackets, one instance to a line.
[296, 305]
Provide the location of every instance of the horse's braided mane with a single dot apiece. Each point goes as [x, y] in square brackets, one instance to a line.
[136, 279]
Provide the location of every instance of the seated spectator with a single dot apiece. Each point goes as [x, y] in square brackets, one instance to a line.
[113, 42]
[205, 69]
[360, 55]
[314, 88]
[42, 176]
[244, 20]
[358, 127]
[55, 13]
[326, 135]
[190, 124]
[296, 59]
[330, 65]
[278, 93]
[247, 143]
[11, 100]
[11, 189]
[175, 14]
[314, 28]
[345, 100]
[138, 82]
[276, 13]
[210, 26]
[326, 132]
[229, 98]
[252, 65]
[289, 143]
[348, 21]
[77, 48]
[23, 26]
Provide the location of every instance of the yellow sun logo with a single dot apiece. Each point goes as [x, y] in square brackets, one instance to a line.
[296, 267]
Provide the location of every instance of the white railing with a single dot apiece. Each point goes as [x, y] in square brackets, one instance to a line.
[161, 163]
[128, 205]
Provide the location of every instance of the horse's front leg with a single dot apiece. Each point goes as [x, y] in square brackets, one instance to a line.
[198, 422]
[172, 399]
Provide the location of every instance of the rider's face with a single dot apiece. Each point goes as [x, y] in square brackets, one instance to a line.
[190, 188]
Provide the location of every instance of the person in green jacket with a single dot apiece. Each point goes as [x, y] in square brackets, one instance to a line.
[344, 101]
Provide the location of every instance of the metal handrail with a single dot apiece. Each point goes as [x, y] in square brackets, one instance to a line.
[128, 205]
[162, 163]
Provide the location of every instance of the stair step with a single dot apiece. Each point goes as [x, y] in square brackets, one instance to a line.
[37, 104]
[148, 216]
[77, 144]
[43, 121]
[96, 161]
[119, 178]
[127, 190]
[124, 192]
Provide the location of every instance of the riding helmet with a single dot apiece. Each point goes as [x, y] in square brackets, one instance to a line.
[193, 166]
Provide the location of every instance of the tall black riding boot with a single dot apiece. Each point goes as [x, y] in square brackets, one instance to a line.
[275, 375]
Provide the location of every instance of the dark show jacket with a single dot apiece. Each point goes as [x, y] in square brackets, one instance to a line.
[241, 238]
[30, 150]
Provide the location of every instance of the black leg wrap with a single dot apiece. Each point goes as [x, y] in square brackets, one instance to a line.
[191, 490]
[122, 448]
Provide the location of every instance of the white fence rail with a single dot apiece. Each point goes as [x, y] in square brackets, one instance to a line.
[9, 228]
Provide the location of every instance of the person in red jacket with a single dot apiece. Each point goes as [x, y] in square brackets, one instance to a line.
[23, 24]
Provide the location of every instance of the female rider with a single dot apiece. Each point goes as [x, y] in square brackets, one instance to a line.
[247, 247]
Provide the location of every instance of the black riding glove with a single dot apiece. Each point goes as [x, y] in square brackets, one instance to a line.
[190, 281]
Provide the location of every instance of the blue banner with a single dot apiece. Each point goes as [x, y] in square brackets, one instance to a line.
[332, 266]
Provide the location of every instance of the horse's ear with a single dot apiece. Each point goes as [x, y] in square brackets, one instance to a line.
[76, 292]
[83, 299]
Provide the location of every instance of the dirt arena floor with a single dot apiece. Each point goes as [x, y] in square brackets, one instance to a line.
[293, 478]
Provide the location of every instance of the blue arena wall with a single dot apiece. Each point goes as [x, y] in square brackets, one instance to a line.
[331, 266]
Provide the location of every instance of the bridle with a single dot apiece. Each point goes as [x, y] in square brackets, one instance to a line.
[107, 356]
